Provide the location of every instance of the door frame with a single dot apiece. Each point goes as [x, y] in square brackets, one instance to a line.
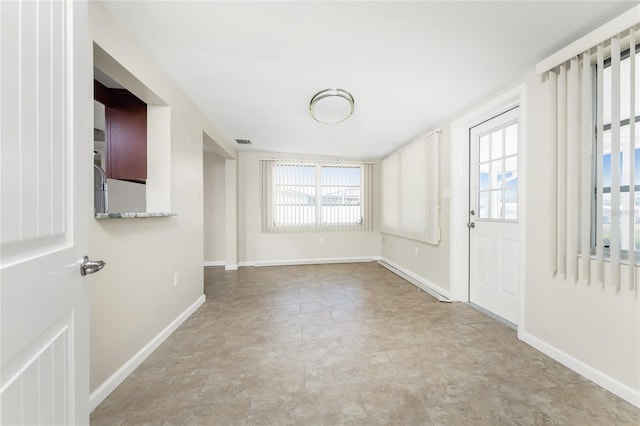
[459, 200]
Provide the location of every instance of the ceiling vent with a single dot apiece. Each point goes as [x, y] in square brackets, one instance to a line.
[243, 141]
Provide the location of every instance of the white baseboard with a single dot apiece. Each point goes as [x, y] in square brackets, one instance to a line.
[625, 392]
[109, 385]
[230, 267]
[319, 261]
[420, 282]
[213, 263]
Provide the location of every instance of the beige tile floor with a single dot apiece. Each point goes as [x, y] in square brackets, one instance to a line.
[348, 344]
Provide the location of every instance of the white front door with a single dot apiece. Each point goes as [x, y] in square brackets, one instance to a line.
[45, 205]
[493, 217]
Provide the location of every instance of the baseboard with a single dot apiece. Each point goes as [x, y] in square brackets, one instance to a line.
[319, 261]
[213, 263]
[420, 282]
[109, 385]
[625, 392]
[230, 267]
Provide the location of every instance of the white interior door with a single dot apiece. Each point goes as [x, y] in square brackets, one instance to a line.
[493, 217]
[45, 160]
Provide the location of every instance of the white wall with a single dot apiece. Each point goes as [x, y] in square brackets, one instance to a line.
[254, 246]
[134, 298]
[595, 328]
[214, 208]
[158, 157]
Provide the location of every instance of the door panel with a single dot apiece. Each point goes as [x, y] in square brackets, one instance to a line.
[47, 376]
[482, 250]
[509, 267]
[494, 234]
[45, 130]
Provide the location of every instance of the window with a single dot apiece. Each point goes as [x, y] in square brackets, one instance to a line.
[314, 196]
[498, 174]
[628, 155]
[592, 103]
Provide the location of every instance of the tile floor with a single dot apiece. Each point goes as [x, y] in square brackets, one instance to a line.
[348, 344]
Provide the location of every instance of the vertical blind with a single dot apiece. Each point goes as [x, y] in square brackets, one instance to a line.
[411, 191]
[307, 196]
[593, 146]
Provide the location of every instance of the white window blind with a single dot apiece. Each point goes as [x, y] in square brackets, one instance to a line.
[410, 191]
[315, 196]
[594, 146]
[391, 194]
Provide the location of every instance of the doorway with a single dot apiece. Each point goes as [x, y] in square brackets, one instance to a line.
[493, 222]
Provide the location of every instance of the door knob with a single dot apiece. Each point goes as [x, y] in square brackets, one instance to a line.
[90, 266]
[471, 225]
[472, 212]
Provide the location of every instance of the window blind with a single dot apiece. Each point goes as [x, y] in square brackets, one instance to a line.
[303, 196]
[391, 194]
[411, 191]
[593, 146]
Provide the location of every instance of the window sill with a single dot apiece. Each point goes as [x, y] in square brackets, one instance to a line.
[133, 215]
[318, 229]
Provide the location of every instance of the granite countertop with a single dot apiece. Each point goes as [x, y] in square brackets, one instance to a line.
[133, 215]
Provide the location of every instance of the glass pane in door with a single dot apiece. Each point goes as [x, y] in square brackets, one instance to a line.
[497, 168]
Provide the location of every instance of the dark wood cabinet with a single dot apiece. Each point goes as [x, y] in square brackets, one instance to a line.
[125, 133]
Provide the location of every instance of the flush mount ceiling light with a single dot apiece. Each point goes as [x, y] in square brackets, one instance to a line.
[331, 106]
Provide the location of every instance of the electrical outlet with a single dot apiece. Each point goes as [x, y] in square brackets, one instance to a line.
[416, 250]
[321, 240]
[176, 279]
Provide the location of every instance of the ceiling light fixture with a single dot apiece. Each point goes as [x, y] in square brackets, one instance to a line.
[331, 106]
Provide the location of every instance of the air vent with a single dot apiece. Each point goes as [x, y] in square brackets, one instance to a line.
[243, 141]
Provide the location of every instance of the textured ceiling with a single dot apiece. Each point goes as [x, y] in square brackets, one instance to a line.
[252, 67]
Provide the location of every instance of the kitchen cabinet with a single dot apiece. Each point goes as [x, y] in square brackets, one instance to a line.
[125, 133]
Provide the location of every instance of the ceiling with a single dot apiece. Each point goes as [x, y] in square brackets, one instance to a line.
[252, 67]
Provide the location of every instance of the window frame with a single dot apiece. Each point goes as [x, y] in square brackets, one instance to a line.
[624, 189]
[320, 221]
[503, 159]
